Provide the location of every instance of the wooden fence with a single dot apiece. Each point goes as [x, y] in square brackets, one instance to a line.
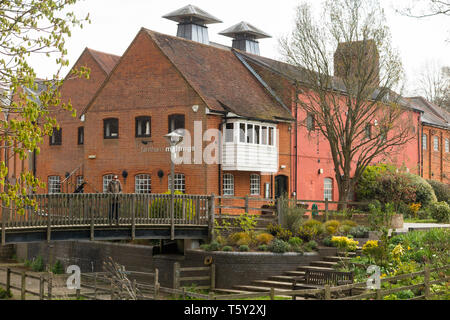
[179, 276]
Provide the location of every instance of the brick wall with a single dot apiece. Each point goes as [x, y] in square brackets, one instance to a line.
[436, 164]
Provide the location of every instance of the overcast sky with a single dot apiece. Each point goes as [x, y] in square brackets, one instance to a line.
[116, 22]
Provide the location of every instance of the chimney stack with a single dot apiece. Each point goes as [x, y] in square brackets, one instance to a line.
[245, 37]
[192, 23]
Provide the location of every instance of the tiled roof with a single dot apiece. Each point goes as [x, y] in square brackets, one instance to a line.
[191, 11]
[106, 61]
[432, 114]
[223, 82]
[242, 28]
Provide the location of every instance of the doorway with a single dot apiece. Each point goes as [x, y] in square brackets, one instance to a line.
[281, 186]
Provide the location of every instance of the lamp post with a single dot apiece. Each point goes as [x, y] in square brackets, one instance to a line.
[174, 139]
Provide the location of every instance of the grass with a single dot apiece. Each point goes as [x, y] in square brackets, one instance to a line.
[412, 220]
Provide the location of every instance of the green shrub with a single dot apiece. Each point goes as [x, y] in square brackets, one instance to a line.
[332, 226]
[279, 246]
[214, 246]
[327, 242]
[295, 242]
[240, 238]
[246, 222]
[284, 234]
[38, 264]
[263, 247]
[244, 248]
[359, 231]
[424, 191]
[4, 295]
[441, 190]
[312, 245]
[160, 207]
[227, 249]
[58, 268]
[405, 295]
[310, 229]
[292, 215]
[205, 247]
[440, 211]
[279, 232]
[367, 185]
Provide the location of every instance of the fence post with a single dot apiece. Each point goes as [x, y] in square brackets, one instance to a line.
[23, 286]
[211, 296]
[4, 213]
[272, 293]
[8, 279]
[427, 282]
[92, 223]
[50, 285]
[95, 286]
[176, 275]
[156, 294]
[78, 294]
[327, 292]
[49, 220]
[326, 209]
[41, 287]
[246, 204]
[212, 210]
[378, 295]
[213, 276]
[112, 290]
[279, 213]
[133, 220]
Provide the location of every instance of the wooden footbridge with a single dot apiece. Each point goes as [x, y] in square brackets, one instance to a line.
[67, 217]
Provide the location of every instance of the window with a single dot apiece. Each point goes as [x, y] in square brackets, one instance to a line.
[56, 137]
[180, 183]
[368, 131]
[143, 127]
[447, 146]
[424, 142]
[54, 184]
[106, 180]
[143, 183]
[255, 184]
[310, 122]
[436, 143]
[271, 136]
[80, 180]
[264, 135]
[229, 132]
[228, 184]
[257, 131]
[176, 121]
[328, 189]
[111, 128]
[81, 135]
[242, 132]
[250, 133]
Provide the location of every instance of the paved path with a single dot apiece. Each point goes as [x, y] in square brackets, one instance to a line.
[407, 226]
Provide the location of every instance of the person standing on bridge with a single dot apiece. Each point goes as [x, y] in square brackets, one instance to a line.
[114, 187]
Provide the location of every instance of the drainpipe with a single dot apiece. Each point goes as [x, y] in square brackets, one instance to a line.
[296, 140]
[224, 122]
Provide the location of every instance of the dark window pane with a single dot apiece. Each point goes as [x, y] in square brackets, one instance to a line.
[264, 135]
[176, 121]
[143, 127]
[250, 133]
[229, 132]
[56, 137]
[242, 133]
[111, 128]
[257, 129]
[81, 135]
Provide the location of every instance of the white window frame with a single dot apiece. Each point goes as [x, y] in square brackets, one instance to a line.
[143, 183]
[54, 184]
[255, 184]
[424, 141]
[447, 145]
[107, 178]
[228, 184]
[436, 143]
[180, 182]
[328, 189]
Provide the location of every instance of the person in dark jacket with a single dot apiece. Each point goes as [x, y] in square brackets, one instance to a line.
[114, 187]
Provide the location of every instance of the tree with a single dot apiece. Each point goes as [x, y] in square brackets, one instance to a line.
[427, 8]
[29, 28]
[357, 110]
[434, 84]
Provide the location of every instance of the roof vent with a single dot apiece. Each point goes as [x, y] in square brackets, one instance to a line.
[245, 37]
[192, 23]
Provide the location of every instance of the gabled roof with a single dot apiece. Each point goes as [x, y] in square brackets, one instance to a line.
[244, 28]
[432, 114]
[192, 12]
[106, 61]
[221, 80]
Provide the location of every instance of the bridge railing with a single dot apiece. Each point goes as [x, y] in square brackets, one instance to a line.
[105, 209]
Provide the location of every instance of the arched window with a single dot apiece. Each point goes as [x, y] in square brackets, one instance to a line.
[255, 184]
[143, 183]
[328, 189]
[180, 182]
[228, 184]
[106, 180]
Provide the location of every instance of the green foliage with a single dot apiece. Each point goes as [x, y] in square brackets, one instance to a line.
[368, 185]
[344, 243]
[263, 247]
[292, 215]
[279, 232]
[240, 238]
[246, 222]
[310, 229]
[58, 268]
[279, 246]
[214, 246]
[244, 248]
[38, 264]
[295, 242]
[332, 226]
[221, 227]
[380, 218]
[311, 245]
[161, 206]
[4, 295]
[359, 231]
[205, 247]
[327, 241]
[29, 29]
[440, 211]
[424, 191]
[441, 190]
[227, 249]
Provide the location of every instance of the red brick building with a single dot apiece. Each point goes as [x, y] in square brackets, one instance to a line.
[163, 83]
